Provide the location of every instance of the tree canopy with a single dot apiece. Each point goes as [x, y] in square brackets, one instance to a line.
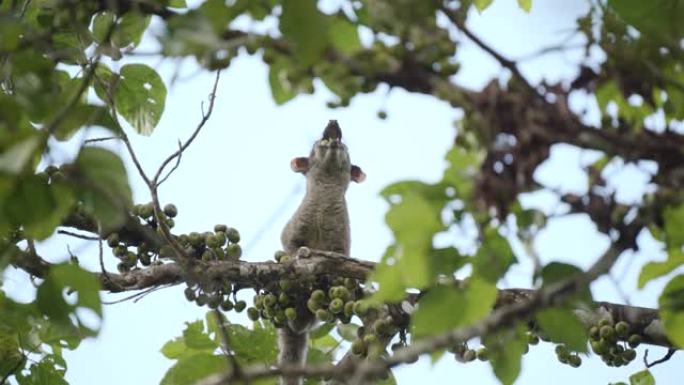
[67, 66]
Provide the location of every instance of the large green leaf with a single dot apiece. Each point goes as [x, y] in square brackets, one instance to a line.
[643, 377]
[481, 5]
[15, 159]
[494, 256]
[653, 270]
[671, 303]
[505, 351]
[562, 326]
[74, 280]
[344, 35]
[105, 193]
[281, 88]
[414, 221]
[306, 28]
[444, 308]
[195, 337]
[189, 370]
[526, 5]
[662, 19]
[140, 96]
[673, 217]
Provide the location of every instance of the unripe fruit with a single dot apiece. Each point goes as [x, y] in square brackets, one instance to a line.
[170, 210]
[607, 331]
[634, 340]
[629, 355]
[145, 259]
[202, 299]
[482, 354]
[279, 317]
[120, 251]
[253, 314]
[312, 305]
[189, 294]
[622, 329]
[233, 235]
[220, 228]
[360, 308]
[594, 333]
[214, 301]
[227, 305]
[219, 253]
[291, 313]
[323, 315]
[358, 347]
[469, 355]
[234, 251]
[532, 339]
[113, 240]
[575, 361]
[349, 309]
[318, 296]
[270, 300]
[350, 283]
[278, 255]
[207, 255]
[195, 239]
[369, 339]
[211, 240]
[284, 299]
[240, 306]
[605, 322]
[285, 284]
[336, 305]
[258, 301]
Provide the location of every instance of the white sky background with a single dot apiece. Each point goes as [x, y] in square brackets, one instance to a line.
[237, 172]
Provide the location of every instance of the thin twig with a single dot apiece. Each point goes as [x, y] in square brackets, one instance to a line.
[205, 118]
[175, 166]
[75, 235]
[137, 296]
[506, 63]
[95, 140]
[666, 357]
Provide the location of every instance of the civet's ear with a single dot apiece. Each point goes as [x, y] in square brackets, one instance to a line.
[300, 164]
[357, 175]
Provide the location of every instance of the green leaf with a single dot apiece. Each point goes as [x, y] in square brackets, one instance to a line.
[310, 37]
[177, 4]
[175, 348]
[661, 19]
[444, 308]
[14, 159]
[106, 193]
[463, 166]
[526, 5]
[130, 29]
[557, 272]
[562, 326]
[194, 337]
[643, 377]
[140, 96]
[281, 88]
[38, 207]
[189, 370]
[674, 223]
[321, 331]
[494, 256]
[42, 373]
[73, 279]
[671, 304]
[481, 5]
[414, 221]
[101, 24]
[256, 345]
[344, 35]
[505, 350]
[348, 332]
[653, 270]
[82, 115]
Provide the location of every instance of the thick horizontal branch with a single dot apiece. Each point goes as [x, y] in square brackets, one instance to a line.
[257, 275]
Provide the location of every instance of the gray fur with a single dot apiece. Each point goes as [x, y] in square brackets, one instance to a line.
[320, 222]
